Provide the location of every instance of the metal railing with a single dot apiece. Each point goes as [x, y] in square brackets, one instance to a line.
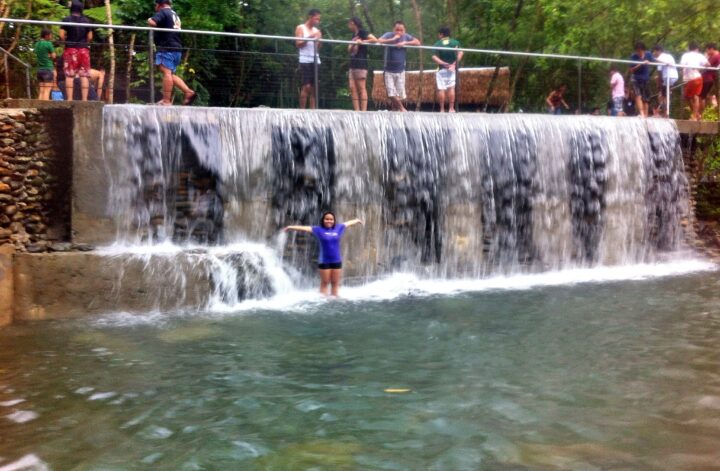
[150, 31]
[7, 54]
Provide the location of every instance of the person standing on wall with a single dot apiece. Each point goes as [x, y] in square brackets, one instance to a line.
[357, 75]
[45, 54]
[556, 100]
[617, 92]
[668, 75]
[709, 76]
[76, 56]
[169, 52]
[641, 77]
[394, 68]
[693, 78]
[307, 57]
[447, 62]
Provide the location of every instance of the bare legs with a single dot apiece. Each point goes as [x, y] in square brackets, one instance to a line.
[450, 98]
[307, 96]
[358, 92]
[396, 104]
[641, 106]
[70, 85]
[695, 106]
[169, 81]
[330, 278]
[45, 89]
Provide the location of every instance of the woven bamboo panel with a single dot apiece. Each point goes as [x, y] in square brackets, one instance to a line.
[473, 86]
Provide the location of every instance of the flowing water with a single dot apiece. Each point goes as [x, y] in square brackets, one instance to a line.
[442, 196]
[519, 299]
[533, 373]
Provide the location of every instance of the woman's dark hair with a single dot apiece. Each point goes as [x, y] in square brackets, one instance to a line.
[45, 33]
[322, 219]
[357, 22]
[445, 31]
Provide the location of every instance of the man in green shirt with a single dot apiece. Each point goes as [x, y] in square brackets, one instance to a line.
[447, 61]
[45, 53]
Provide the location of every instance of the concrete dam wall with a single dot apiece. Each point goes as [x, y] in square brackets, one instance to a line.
[183, 206]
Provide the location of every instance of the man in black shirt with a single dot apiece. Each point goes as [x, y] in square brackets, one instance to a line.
[168, 53]
[77, 51]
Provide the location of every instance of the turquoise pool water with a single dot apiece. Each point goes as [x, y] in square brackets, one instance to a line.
[605, 375]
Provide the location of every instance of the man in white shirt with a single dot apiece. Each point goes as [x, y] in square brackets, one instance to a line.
[307, 56]
[667, 75]
[693, 78]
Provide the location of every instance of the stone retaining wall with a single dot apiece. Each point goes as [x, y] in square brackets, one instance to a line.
[34, 187]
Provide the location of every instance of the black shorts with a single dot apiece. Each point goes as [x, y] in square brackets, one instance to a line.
[307, 73]
[707, 86]
[330, 266]
[45, 76]
[641, 89]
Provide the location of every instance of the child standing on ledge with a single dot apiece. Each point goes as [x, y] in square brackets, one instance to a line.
[45, 54]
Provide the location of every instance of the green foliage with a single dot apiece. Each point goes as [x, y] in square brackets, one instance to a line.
[605, 28]
[707, 152]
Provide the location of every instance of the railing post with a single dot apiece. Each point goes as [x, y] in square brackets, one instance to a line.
[315, 78]
[27, 82]
[667, 94]
[579, 103]
[7, 76]
[151, 63]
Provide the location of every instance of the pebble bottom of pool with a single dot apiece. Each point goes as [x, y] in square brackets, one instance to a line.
[621, 375]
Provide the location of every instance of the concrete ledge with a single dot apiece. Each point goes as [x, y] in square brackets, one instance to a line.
[74, 284]
[7, 290]
[697, 127]
[83, 122]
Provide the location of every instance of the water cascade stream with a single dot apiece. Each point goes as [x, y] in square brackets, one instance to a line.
[443, 196]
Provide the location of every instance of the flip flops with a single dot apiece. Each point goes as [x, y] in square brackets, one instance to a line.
[190, 99]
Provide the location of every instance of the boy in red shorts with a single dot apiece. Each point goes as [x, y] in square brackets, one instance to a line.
[77, 50]
[693, 78]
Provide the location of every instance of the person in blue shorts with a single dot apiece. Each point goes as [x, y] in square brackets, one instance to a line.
[169, 52]
[328, 235]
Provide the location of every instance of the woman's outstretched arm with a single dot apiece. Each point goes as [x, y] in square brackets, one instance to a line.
[298, 228]
[352, 222]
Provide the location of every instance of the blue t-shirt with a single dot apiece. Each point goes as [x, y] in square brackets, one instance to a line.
[329, 243]
[642, 73]
[395, 56]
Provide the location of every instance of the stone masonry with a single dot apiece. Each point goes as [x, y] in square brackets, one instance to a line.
[31, 193]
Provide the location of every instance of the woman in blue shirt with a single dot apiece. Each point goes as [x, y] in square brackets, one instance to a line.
[330, 259]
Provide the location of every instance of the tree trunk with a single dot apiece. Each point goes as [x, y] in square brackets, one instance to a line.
[516, 78]
[452, 16]
[418, 20]
[18, 28]
[506, 47]
[4, 11]
[128, 71]
[111, 43]
[366, 14]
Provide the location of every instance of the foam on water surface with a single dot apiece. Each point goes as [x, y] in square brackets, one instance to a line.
[401, 285]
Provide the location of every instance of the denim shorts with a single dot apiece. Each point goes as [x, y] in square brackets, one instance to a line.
[168, 59]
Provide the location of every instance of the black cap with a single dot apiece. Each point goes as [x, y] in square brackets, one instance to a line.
[76, 6]
[163, 2]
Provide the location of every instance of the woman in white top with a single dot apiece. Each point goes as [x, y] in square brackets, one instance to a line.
[667, 76]
[307, 51]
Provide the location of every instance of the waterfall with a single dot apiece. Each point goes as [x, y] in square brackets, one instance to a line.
[449, 196]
